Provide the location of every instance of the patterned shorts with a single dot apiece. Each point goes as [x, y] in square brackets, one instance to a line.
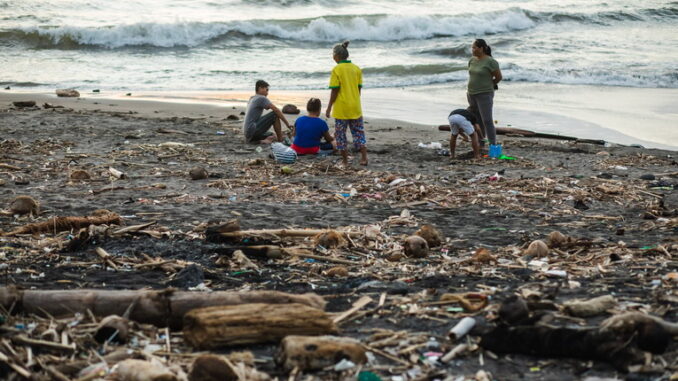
[357, 131]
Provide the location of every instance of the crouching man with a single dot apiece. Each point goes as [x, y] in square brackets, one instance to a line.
[256, 126]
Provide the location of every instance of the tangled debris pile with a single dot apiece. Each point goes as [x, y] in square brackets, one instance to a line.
[210, 262]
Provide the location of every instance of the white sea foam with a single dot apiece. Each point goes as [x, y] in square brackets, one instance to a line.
[375, 28]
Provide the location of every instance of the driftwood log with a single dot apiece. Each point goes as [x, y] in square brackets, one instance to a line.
[224, 326]
[531, 134]
[313, 353]
[161, 308]
[60, 224]
[613, 346]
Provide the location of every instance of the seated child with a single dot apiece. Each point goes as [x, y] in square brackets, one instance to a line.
[308, 130]
[463, 121]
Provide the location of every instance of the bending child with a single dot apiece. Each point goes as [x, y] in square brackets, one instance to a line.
[308, 130]
[346, 82]
[462, 121]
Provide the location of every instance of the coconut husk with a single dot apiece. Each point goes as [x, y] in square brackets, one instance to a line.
[537, 249]
[433, 236]
[415, 247]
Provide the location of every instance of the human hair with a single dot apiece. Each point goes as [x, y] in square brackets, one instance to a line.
[260, 83]
[484, 46]
[313, 105]
[341, 50]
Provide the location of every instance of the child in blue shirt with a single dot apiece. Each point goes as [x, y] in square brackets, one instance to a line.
[308, 131]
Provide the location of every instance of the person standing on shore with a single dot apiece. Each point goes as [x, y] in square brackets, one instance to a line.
[346, 82]
[256, 126]
[484, 75]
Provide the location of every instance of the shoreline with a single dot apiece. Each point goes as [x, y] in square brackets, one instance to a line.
[423, 108]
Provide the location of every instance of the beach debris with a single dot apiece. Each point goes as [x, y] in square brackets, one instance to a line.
[337, 271]
[433, 236]
[142, 370]
[557, 239]
[483, 256]
[113, 328]
[471, 302]
[79, 175]
[24, 104]
[590, 307]
[396, 305]
[317, 352]
[432, 145]
[225, 326]
[290, 109]
[537, 248]
[22, 205]
[283, 154]
[232, 117]
[514, 310]
[59, 224]
[198, 173]
[190, 276]
[117, 174]
[48, 106]
[241, 262]
[329, 239]
[462, 328]
[67, 93]
[209, 367]
[415, 247]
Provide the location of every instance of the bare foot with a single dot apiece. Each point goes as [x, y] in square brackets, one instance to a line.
[268, 140]
[363, 162]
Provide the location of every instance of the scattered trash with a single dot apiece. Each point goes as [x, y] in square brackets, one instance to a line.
[432, 145]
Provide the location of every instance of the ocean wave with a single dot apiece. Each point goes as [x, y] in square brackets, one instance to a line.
[412, 70]
[21, 84]
[321, 29]
[568, 76]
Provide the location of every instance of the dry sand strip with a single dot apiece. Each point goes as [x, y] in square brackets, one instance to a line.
[243, 229]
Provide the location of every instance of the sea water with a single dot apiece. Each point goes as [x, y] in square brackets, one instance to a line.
[228, 44]
[220, 45]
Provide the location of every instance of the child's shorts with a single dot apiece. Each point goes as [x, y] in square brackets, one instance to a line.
[458, 122]
[357, 132]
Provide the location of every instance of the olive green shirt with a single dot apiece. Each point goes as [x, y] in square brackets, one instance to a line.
[480, 75]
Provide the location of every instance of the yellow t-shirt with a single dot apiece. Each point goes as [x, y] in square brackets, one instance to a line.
[348, 78]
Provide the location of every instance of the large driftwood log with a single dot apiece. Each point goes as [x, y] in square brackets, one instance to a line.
[161, 308]
[311, 353]
[223, 326]
[183, 302]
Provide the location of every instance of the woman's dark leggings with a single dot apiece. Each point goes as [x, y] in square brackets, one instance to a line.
[481, 104]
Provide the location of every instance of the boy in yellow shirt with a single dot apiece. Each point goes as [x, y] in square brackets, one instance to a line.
[346, 82]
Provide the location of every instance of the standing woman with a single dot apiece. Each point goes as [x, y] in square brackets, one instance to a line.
[346, 82]
[483, 76]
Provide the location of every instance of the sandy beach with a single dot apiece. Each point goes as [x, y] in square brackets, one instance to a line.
[617, 203]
